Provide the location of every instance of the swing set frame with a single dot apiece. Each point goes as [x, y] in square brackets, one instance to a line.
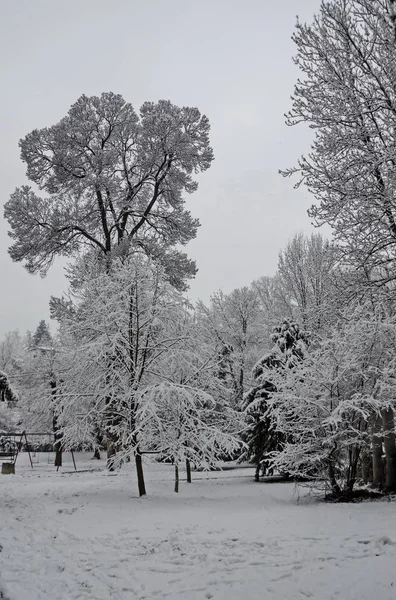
[15, 447]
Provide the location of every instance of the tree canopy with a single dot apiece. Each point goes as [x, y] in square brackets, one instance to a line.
[347, 96]
[109, 176]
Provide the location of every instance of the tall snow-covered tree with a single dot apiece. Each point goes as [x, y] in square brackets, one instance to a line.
[236, 323]
[275, 300]
[123, 323]
[347, 95]
[109, 177]
[305, 270]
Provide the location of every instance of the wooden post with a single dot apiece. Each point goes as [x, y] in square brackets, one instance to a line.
[139, 472]
[188, 470]
[74, 461]
[27, 447]
[176, 478]
[58, 454]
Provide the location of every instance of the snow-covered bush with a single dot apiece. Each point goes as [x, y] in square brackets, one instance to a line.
[324, 405]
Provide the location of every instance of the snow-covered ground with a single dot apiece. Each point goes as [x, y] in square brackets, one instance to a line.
[86, 535]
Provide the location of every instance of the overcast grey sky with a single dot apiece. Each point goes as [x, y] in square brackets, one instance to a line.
[231, 59]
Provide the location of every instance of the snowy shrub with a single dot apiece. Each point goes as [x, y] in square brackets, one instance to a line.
[325, 404]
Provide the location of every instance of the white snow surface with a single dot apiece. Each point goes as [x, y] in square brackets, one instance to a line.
[86, 535]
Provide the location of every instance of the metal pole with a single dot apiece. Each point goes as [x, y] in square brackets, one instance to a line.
[27, 448]
[74, 462]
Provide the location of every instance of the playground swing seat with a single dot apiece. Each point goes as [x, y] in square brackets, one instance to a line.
[9, 452]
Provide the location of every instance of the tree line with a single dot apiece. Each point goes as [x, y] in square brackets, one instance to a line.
[293, 372]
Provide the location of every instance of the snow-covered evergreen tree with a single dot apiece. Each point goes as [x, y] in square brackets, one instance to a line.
[42, 335]
[262, 435]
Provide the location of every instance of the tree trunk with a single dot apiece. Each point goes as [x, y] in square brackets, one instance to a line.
[335, 488]
[367, 468]
[354, 454]
[57, 434]
[58, 454]
[111, 453]
[99, 442]
[112, 421]
[257, 473]
[96, 454]
[378, 463]
[176, 477]
[188, 470]
[140, 474]
[388, 423]
[57, 442]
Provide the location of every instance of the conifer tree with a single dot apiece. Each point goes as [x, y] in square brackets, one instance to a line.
[261, 436]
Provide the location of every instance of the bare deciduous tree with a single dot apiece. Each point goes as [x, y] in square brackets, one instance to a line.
[347, 57]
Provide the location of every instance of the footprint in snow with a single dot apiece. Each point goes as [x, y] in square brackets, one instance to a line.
[381, 541]
[66, 511]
